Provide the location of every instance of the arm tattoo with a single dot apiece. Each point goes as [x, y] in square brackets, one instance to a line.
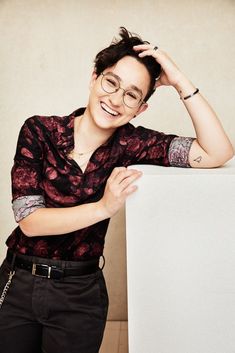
[198, 159]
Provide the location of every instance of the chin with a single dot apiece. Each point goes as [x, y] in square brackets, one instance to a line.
[104, 119]
[104, 123]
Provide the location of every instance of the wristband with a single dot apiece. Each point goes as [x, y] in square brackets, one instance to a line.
[190, 95]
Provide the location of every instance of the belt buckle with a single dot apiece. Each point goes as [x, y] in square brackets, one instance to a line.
[34, 270]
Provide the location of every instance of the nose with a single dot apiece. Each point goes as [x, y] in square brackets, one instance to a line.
[116, 98]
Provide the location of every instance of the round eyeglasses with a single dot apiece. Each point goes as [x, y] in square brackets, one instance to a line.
[110, 84]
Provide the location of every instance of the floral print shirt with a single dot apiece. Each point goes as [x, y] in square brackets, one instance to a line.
[44, 176]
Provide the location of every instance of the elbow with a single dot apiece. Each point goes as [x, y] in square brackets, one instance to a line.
[25, 229]
[225, 157]
[229, 154]
[28, 227]
[232, 152]
[31, 225]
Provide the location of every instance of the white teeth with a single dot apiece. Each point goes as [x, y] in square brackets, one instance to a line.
[109, 110]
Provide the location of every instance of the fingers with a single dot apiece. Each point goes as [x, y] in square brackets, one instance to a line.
[118, 187]
[120, 173]
[170, 73]
[121, 179]
[126, 182]
[149, 52]
[126, 174]
[144, 47]
[115, 172]
[147, 49]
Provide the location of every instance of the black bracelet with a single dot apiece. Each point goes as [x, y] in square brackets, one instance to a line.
[189, 96]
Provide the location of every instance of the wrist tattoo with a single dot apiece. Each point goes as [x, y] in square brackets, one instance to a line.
[198, 159]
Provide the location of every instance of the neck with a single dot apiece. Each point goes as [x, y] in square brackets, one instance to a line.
[87, 134]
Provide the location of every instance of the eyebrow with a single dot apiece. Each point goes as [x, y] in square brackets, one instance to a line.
[132, 86]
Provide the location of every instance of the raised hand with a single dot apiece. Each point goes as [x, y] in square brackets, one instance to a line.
[171, 74]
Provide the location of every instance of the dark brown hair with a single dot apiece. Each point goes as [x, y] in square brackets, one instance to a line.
[123, 47]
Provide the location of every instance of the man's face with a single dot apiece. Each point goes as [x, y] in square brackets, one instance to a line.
[108, 109]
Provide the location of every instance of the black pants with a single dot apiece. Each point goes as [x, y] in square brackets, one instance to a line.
[41, 315]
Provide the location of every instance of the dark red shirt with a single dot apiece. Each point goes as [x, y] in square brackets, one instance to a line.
[42, 167]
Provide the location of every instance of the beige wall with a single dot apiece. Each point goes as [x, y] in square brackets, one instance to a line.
[46, 56]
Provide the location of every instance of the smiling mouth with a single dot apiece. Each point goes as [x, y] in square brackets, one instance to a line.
[108, 110]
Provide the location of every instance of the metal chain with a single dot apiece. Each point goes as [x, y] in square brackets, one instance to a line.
[7, 286]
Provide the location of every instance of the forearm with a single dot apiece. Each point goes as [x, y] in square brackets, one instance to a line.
[209, 132]
[212, 147]
[54, 221]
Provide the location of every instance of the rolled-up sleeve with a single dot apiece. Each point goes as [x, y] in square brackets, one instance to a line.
[26, 173]
[146, 146]
[179, 151]
[24, 205]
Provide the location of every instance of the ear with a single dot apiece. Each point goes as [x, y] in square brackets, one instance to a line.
[93, 79]
[157, 82]
[141, 109]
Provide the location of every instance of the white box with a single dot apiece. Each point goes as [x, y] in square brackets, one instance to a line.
[181, 260]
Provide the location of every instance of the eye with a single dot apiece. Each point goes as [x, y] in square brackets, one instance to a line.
[111, 82]
[132, 95]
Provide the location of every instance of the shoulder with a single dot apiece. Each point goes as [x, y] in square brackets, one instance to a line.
[49, 123]
[129, 132]
[53, 122]
[48, 127]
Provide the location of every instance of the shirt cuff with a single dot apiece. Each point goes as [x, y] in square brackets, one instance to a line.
[24, 205]
[179, 151]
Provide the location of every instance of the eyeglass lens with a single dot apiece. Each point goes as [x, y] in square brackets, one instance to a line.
[111, 84]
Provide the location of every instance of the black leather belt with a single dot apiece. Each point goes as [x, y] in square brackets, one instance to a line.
[53, 272]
